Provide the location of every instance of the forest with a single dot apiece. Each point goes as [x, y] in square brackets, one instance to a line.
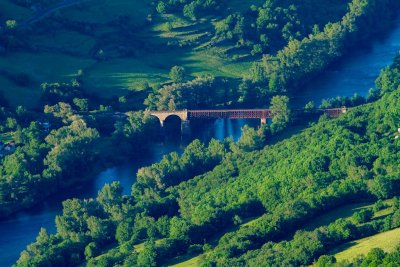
[181, 203]
[79, 118]
[79, 80]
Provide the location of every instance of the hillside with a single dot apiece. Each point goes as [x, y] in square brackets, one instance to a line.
[121, 47]
[288, 185]
[80, 84]
[388, 241]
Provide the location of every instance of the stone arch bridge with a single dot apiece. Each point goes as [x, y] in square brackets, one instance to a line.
[262, 114]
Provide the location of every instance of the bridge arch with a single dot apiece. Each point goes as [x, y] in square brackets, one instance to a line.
[173, 118]
[164, 115]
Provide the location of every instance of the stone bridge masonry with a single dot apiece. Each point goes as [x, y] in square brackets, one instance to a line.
[261, 114]
[163, 115]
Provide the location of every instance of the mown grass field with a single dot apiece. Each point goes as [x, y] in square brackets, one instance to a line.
[387, 241]
[70, 50]
[331, 216]
[9, 10]
[42, 67]
[102, 11]
[192, 262]
[344, 212]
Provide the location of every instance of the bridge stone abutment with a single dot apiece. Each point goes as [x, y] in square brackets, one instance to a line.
[264, 121]
[185, 128]
[182, 114]
[163, 115]
[262, 114]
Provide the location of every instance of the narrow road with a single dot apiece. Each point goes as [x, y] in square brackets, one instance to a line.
[41, 14]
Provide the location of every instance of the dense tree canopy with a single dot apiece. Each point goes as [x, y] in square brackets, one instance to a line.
[209, 192]
[335, 162]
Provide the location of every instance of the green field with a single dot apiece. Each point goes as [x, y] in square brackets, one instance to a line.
[11, 11]
[387, 241]
[331, 216]
[70, 50]
[344, 212]
[193, 262]
[103, 11]
[43, 67]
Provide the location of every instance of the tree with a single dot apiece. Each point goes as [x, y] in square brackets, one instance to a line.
[61, 110]
[381, 187]
[375, 257]
[326, 261]
[148, 257]
[396, 203]
[162, 225]
[309, 106]
[81, 103]
[189, 10]
[110, 194]
[91, 250]
[388, 80]
[161, 7]
[251, 139]
[362, 216]
[280, 110]
[99, 229]
[11, 24]
[177, 74]
[11, 123]
[124, 232]
[178, 228]
[373, 94]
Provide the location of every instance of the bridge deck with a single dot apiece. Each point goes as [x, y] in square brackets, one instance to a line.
[231, 114]
[234, 113]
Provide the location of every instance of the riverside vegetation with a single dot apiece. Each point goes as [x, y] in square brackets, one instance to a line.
[228, 203]
[43, 158]
[257, 49]
[181, 204]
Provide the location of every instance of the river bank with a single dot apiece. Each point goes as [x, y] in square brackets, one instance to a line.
[354, 74]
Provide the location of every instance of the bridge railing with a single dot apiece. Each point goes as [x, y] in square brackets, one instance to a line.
[238, 113]
[232, 114]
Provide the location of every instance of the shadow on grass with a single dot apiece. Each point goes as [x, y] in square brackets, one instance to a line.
[343, 247]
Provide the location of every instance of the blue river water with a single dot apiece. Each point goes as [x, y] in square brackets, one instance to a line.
[355, 73]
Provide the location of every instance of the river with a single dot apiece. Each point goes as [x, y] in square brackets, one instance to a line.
[353, 74]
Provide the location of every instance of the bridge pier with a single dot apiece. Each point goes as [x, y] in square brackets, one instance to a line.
[185, 128]
[261, 114]
[264, 121]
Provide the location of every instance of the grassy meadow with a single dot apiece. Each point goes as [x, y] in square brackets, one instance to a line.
[62, 52]
[11, 11]
[387, 241]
